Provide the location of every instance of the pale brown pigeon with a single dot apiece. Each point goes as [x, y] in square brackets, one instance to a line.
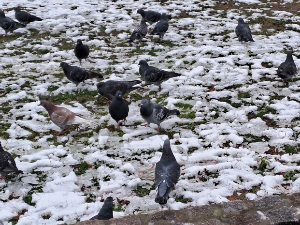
[62, 116]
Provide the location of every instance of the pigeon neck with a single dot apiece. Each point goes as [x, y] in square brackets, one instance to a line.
[50, 108]
[289, 57]
[1, 149]
[146, 110]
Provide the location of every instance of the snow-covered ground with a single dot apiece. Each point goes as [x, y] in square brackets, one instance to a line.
[238, 132]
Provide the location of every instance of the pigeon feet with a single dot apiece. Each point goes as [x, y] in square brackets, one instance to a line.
[145, 125]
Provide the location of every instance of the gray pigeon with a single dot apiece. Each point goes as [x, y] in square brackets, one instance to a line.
[25, 17]
[61, 116]
[8, 24]
[154, 113]
[243, 31]
[167, 172]
[106, 212]
[118, 108]
[109, 88]
[77, 74]
[151, 16]
[288, 68]
[7, 164]
[81, 51]
[139, 32]
[161, 27]
[153, 75]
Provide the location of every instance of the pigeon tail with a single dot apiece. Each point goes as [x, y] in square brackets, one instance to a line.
[174, 112]
[38, 18]
[161, 200]
[79, 120]
[95, 75]
[20, 25]
[172, 74]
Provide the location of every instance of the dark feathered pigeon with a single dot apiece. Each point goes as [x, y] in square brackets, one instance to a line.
[118, 108]
[7, 164]
[154, 113]
[153, 75]
[167, 172]
[243, 31]
[81, 51]
[77, 74]
[151, 16]
[8, 24]
[25, 17]
[139, 32]
[288, 68]
[61, 116]
[109, 88]
[106, 212]
[161, 27]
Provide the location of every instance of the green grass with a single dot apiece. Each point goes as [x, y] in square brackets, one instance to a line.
[182, 199]
[290, 149]
[81, 168]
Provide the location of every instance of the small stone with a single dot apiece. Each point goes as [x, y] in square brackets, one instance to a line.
[295, 198]
[210, 222]
[248, 218]
[268, 201]
[233, 208]
[283, 214]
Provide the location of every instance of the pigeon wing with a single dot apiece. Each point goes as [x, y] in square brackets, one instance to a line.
[160, 113]
[153, 74]
[169, 173]
[62, 117]
[79, 75]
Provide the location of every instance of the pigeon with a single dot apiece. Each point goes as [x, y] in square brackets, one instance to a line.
[8, 24]
[61, 116]
[154, 75]
[118, 108]
[7, 164]
[139, 32]
[154, 113]
[288, 68]
[106, 212]
[77, 74]
[151, 16]
[243, 31]
[25, 17]
[81, 51]
[167, 172]
[109, 88]
[161, 27]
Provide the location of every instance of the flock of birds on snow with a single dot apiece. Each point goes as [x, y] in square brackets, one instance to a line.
[167, 170]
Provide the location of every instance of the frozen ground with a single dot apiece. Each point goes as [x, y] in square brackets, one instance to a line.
[237, 135]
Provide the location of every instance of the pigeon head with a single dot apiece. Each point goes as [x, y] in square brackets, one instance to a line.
[79, 42]
[141, 11]
[2, 14]
[47, 105]
[118, 94]
[167, 151]
[17, 9]
[99, 85]
[145, 102]
[62, 64]
[109, 200]
[143, 63]
[240, 20]
[163, 16]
